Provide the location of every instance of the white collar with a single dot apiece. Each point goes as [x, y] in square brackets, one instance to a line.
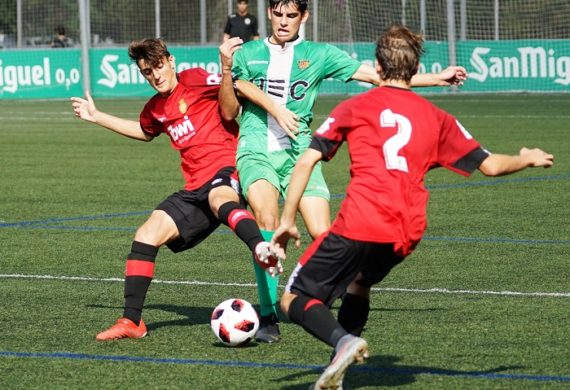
[287, 45]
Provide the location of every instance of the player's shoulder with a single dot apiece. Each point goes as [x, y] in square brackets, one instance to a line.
[192, 74]
[251, 48]
[353, 104]
[322, 46]
[327, 51]
[318, 46]
[373, 94]
[198, 77]
[254, 44]
[421, 106]
[424, 104]
[151, 103]
[361, 105]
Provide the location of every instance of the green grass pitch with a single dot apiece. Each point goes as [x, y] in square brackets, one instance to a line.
[482, 303]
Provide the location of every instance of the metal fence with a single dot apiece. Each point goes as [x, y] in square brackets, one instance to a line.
[31, 23]
[505, 45]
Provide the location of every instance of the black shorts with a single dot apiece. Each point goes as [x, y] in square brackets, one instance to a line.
[191, 210]
[329, 265]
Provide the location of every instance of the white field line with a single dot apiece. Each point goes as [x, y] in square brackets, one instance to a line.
[377, 289]
[476, 292]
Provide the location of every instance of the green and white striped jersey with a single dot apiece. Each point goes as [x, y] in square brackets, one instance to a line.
[291, 76]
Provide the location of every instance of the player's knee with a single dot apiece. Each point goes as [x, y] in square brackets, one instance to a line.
[285, 302]
[316, 230]
[158, 229]
[220, 196]
[266, 220]
[356, 288]
[144, 235]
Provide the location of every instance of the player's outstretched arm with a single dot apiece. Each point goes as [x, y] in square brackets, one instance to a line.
[288, 120]
[367, 74]
[86, 110]
[452, 75]
[501, 164]
[287, 228]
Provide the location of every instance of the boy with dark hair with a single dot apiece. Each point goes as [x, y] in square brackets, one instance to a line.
[394, 138]
[290, 70]
[196, 110]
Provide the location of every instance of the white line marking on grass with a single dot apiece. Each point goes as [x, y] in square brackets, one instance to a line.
[377, 289]
[93, 279]
[29, 119]
[475, 292]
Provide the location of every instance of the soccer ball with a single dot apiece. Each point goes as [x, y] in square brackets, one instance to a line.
[234, 322]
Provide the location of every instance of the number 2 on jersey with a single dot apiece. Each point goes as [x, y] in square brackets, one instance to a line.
[395, 143]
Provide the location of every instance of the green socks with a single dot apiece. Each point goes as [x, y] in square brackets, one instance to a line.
[266, 285]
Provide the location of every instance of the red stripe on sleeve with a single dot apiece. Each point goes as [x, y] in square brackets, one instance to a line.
[139, 268]
[236, 216]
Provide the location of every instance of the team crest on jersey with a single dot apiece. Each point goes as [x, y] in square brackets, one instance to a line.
[182, 106]
[303, 64]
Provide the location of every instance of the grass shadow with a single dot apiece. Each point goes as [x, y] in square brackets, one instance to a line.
[192, 315]
[384, 371]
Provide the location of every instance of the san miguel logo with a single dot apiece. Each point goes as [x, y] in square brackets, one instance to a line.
[525, 62]
[303, 64]
[182, 106]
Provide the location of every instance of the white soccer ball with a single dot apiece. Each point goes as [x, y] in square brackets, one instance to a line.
[234, 322]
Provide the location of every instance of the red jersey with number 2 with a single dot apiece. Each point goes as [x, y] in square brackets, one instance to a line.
[190, 117]
[394, 138]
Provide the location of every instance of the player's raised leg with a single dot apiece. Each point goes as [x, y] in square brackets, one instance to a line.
[225, 204]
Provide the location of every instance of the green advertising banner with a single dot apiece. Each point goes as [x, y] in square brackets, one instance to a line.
[493, 66]
[113, 74]
[434, 60]
[518, 65]
[40, 74]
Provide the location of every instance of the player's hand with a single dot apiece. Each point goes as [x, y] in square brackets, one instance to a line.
[452, 75]
[281, 237]
[537, 157]
[227, 50]
[277, 270]
[288, 120]
[84, 108]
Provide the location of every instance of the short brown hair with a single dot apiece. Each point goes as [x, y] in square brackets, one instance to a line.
[151, 50]
[398, 51]
[302, 5]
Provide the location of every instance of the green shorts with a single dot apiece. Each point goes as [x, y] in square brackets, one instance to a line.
[276, 168]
